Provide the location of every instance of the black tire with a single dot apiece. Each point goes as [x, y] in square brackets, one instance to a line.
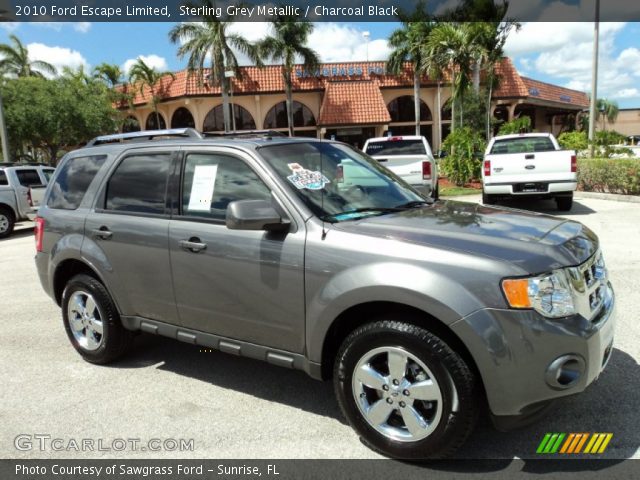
[488, 199]
[564, 203]
[114, 340]
[452, 375]
[435, 194]
[7, 222]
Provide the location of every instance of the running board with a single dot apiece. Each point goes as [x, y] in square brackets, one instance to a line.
[273, 356]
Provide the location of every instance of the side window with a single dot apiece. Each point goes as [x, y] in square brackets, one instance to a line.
[139, 184]
[3, 178]
[28, 178]
[73, 181]
[212, 181]
[48, 173]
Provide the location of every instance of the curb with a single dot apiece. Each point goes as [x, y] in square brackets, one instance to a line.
[614, 197]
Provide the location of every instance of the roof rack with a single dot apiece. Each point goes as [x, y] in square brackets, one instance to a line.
[145, 135]
[246, 133]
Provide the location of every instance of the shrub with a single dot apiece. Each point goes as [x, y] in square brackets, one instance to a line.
[518, 125]
[605, 141]
[464, 147]
[574, 141]
[609, 175]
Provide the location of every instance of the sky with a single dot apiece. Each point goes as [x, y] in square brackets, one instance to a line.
[558, 53]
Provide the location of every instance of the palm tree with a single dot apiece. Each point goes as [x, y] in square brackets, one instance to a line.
[288, 43]
[607, 110]
[408, 45]
[211, 37]
[453, 47]
[16, 62]
[77, 74]
[109, 74]
[143, 75]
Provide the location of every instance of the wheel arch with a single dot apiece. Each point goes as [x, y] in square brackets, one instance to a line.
[10, 209]
[66, 270]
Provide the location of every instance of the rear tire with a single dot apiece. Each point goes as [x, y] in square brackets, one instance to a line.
[564, 203]
[435, 194]
[92, 322]
[488, 199]
[7, 222]
[405, 391]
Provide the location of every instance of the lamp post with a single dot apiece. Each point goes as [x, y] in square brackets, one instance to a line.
[366, 36]
[594, 81]
[231, 74]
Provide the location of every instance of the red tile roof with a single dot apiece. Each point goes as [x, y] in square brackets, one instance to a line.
[554, 93]
[510, 83]
[352, 103]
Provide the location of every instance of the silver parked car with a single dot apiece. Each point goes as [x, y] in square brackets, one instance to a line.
[307, 254]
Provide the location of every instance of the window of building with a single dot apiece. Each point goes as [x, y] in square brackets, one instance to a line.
[226, 178]
[76, 174]
[402, 109]
[182, 118]
[28, 178]
[139, 184]
[214, 121]
[152, 122]
[130, 124]
[277, 116]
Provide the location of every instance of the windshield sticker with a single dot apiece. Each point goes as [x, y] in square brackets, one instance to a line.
[307, 179]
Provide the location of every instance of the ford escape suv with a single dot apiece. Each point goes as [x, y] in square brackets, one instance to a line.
[310, 255]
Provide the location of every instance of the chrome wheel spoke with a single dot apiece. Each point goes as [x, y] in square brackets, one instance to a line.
[96, 326]
[379, 412]
[425, 390]
[85, 320]
[369, 377]
[397, 364]
[91, 339]
[90, 307]
[413, 421]
[76, 323]
[78, 306]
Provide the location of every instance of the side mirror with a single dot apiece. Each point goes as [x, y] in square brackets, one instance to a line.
[254, 215]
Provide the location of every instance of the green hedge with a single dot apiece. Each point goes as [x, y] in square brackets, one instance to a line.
[612, 175]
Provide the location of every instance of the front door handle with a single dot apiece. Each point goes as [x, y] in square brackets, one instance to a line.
[194, 244]
[102, 232]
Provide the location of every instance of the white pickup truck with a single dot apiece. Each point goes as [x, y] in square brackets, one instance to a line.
[529, 165]
[21, 190]
[409, 157]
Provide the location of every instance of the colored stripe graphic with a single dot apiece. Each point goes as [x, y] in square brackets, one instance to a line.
[573, 443]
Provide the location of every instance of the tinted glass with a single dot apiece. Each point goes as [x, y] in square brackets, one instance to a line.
[212, 181]
[48, 173]
[28, 178]
[523, 145]
[396, 147]
[72, 182]
[3, 178]
[139, 184]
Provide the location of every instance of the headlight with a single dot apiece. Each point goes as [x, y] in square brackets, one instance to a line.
[550, 295]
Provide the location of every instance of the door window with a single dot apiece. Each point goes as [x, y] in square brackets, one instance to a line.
[212, 181]
[139, 184]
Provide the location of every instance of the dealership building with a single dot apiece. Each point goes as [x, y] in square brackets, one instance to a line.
[347, 101]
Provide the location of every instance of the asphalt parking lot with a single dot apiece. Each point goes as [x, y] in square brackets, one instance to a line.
[239, 408]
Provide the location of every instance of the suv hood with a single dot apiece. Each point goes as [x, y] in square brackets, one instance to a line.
[534, 242]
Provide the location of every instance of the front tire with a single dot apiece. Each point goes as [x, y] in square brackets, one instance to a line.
[405, 391]
[7, 222]
[92, 322]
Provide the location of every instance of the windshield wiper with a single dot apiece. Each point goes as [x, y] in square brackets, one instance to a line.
[413, 204]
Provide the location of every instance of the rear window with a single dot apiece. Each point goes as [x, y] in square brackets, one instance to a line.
[396, 147]
[3, 178]
[523, 145]
[29, 178]
[48, 173]
[139, 184]
[73, 180]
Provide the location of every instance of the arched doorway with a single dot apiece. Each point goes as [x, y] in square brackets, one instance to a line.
[214, 121]
[402, 112]
[304, 122]
[182, 118]
[151, 123]
[130, 124]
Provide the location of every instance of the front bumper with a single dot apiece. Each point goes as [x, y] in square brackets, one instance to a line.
[519, 353]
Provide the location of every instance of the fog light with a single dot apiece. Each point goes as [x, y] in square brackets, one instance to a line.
[565, 372]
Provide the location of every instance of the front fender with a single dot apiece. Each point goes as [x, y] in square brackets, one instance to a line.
[400, 283]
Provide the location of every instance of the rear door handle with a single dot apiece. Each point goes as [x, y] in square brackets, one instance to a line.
[103, 233]
[194, 244]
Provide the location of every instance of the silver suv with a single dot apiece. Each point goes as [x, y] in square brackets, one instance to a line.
[309, 254]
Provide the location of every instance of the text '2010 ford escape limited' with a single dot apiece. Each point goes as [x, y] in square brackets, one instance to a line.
[310, 255]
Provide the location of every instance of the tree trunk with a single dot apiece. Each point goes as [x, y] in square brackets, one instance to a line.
[439, 100]
[416, 99]
[476, 77]
[289, 100]
[453, 101]
[225, 97]
[489, 112]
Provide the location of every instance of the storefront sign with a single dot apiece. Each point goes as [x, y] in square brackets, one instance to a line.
[351, 71]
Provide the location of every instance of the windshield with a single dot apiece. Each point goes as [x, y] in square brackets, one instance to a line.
[396, 147]
[339, 183]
